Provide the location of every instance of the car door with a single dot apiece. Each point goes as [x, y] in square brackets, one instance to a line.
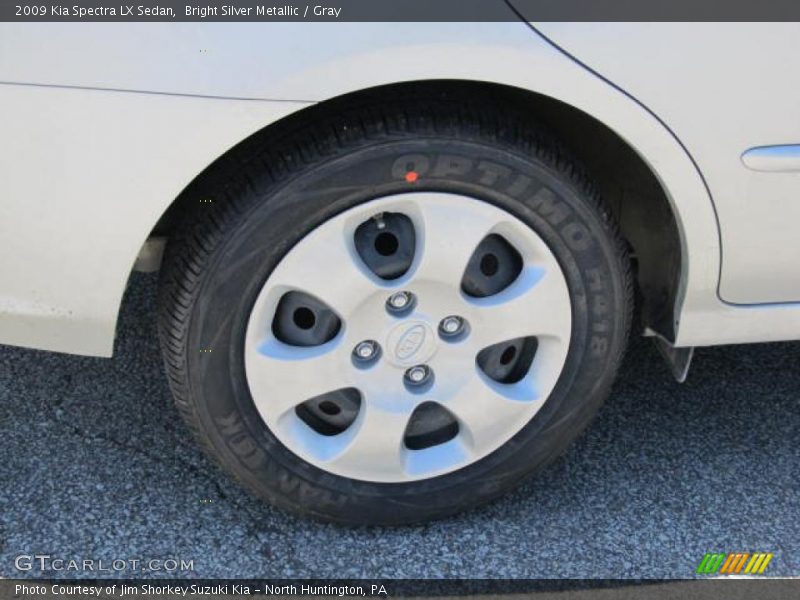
[722, 89]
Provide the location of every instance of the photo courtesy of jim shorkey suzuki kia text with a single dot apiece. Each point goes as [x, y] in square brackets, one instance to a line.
[198, 589]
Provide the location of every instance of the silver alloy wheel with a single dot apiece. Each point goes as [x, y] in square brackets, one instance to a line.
[326, 265]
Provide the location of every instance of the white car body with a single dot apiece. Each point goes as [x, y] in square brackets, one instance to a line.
[104, 124]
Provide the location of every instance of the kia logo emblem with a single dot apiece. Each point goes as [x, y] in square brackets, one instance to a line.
[410, 342]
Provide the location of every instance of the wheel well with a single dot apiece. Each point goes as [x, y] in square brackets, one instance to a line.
[627, 184]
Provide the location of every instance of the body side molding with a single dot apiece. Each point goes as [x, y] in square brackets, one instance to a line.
[775, 159]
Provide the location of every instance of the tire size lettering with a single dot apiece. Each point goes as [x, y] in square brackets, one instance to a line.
[599, 305]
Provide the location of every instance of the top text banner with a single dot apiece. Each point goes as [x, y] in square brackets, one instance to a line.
[399, 10]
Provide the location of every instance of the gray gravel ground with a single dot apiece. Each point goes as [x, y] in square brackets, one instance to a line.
[97, 464]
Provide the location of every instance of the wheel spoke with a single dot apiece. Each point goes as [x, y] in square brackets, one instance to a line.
[448, 239]
[325, 265]
[536, 304]
[487, 410]
[376, 444]
[281, 376]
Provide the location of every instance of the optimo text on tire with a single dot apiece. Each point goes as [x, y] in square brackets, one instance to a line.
[394, 312]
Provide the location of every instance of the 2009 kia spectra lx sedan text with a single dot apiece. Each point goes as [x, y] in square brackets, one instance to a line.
[399, 262]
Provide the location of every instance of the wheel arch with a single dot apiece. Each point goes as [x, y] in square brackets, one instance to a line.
[635, 194]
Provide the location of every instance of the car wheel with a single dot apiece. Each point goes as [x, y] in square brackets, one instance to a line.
[394, 313]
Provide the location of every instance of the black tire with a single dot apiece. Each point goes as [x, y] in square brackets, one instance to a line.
[266, 196]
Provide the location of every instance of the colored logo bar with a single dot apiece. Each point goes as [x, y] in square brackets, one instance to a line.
[734, 563]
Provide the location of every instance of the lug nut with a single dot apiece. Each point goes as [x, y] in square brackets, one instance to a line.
[419, 375]
[452, 326]
[366, 350]
[400, 302]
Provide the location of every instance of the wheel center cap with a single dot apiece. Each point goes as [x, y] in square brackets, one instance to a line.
[410, 343]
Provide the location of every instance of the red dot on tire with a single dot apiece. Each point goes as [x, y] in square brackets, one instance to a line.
[412, 176]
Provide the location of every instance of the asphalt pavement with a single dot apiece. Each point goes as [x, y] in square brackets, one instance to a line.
[96, 464]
